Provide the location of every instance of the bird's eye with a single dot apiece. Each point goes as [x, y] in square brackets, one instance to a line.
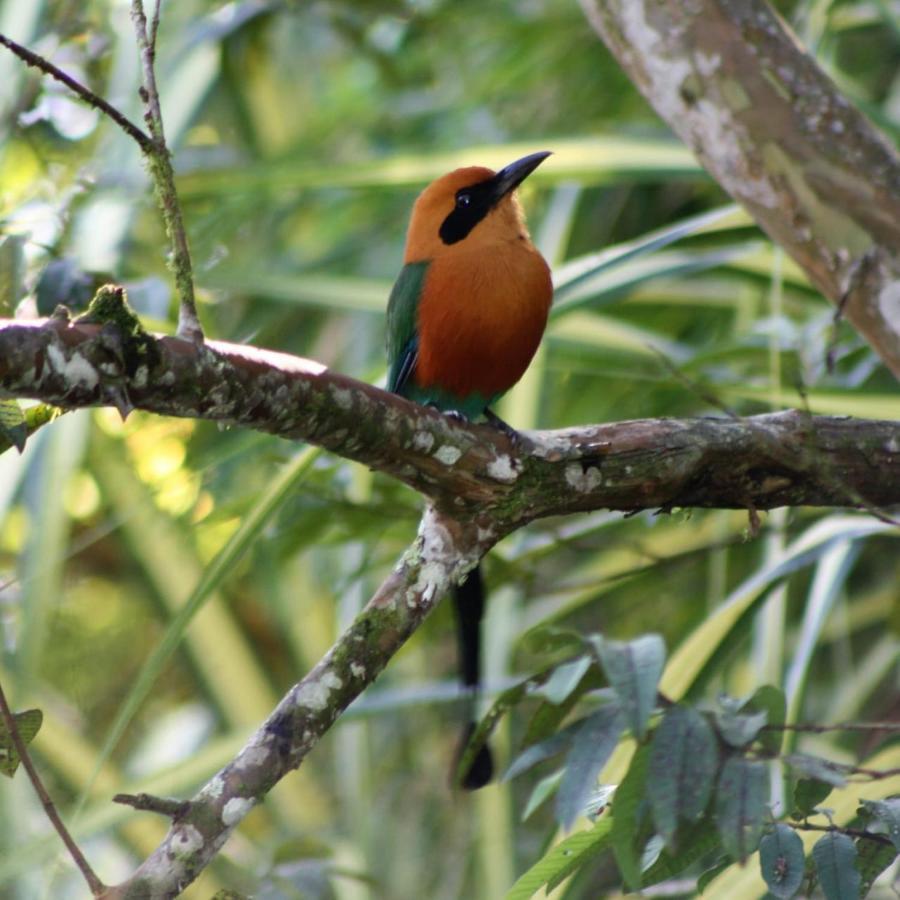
[463, 200]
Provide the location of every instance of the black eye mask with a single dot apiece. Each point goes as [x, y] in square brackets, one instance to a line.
[474, 202]
[472, 205]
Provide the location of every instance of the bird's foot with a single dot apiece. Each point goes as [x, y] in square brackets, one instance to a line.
[505, 427]
[491, 418]
[454, 414]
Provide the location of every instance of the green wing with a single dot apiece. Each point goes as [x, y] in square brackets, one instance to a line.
[402, 334]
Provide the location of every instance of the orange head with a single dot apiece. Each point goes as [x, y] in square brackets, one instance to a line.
[473, 203]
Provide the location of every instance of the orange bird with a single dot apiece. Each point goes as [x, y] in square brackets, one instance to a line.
[464, 320]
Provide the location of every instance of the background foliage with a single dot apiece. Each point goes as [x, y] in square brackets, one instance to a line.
[302, 133]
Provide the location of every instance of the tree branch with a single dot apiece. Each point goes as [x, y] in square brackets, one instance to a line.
[144, 141]
[850, 832]
[154, 148]
[443, 551]
[731, 80]
[164, 175]
[480, 484]
[96, 886]
[787, 458]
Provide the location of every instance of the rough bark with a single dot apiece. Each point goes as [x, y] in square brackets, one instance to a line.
[481, 486]
[762, 118]
[732, 81]
[444, 550]
[787, 458]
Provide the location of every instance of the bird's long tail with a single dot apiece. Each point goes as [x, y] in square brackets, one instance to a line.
[468, 603]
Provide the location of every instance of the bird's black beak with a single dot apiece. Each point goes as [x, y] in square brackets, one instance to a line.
[511, 176]
[475, 201]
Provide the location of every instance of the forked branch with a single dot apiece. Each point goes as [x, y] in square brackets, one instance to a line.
[443, 551]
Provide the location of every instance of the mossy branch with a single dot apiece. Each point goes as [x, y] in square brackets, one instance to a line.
[788, 458]
[163, 175]
[443, 551]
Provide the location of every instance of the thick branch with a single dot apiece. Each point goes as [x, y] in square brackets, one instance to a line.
[787, 458]
[443, 552]
[732, 81]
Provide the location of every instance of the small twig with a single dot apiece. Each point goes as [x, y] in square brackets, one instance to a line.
[164, 177]
[691, 385]
[94, 883]
[850, 832]
[443, 550]
[39, 62]
[753, 519]
[165, 806]
[846, 770]
[153, 147]
[874, 774]
[809, 728]
[856, 276]
[154, 25]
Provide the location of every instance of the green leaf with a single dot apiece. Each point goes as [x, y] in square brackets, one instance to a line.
[695, 656]
[537, 753]
[628, 800]
[594, 159]
[542, 790]
[563, 859]
[781, 861]
[818, 768]
[869, 405]
[772, 702]
[888, 813]
[737, 728]
[610, 284]
[683, 763]
[565, 678]
[548, 716]
[282, 487]
[872, 858]
[575, 864]
[835, 858]
[592, 746]
[515, 695]
[741, 797]
[572, 274]
[696, 842]
[808, 794]
[633, 669]
[28, 723]
[13, 427]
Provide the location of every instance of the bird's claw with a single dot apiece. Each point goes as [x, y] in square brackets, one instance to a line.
[495, 420]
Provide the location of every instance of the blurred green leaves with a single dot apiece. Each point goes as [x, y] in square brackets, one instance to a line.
[158, 572]
[28, 723]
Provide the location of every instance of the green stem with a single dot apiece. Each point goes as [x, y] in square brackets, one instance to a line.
[94, 883]
[164, 177]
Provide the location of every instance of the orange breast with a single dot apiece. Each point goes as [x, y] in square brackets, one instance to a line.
[481, 318]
